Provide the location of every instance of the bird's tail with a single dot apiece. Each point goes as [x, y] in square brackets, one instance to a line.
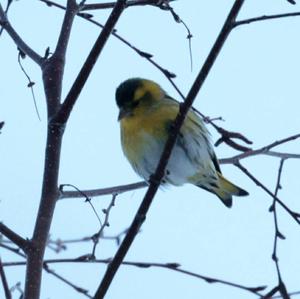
[225, 190]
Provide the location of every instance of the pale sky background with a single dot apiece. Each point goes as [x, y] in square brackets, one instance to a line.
[254, 86]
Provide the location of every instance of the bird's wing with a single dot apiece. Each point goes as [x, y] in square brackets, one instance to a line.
[194, 138]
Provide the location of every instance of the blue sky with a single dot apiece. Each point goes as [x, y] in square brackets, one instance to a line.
[254, 86]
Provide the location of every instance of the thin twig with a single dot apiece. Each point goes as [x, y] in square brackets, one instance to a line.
[4, 282]
[58, 245]
[156, 178]
[13, 249]
[278, 235]
[264, 150]
[294, 215]
[97, 6]
[30, 83]
[166, 6]
[172, 266]
[96, 237]
[99, 192]
[17, 287]
[46, 268]
[265, 18]
[18, 40]
[66, 281]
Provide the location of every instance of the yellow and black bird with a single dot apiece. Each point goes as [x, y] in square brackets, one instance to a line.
[146, 115]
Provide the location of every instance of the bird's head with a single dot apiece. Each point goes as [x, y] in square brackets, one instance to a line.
[135, 93]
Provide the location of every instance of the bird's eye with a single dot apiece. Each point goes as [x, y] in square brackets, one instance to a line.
[135, 104]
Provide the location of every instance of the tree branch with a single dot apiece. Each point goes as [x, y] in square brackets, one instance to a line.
[61, 46]
[173, 266]
[4, 282]
[53, 69]
[57, 116]
[18, 40]
[278, 235]
[14, 237]
[66, 281]
[159, 173]
[264, 150]
[84, 73]
[265, 18]
[294, 215]
[112, 4]
[104, 191]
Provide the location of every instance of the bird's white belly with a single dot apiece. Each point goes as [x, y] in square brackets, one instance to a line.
[179, 167]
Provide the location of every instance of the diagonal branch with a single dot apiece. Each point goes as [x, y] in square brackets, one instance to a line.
[18, 40]
[14, 237]
[4, 282]
[159, 173]
[46, 268]
[66, 281]
[294, 215]
[84, 73]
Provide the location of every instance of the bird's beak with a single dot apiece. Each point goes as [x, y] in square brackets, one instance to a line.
[124, 113]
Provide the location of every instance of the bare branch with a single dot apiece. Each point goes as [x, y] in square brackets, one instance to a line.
[61, 47]
[99, 192]
[172, 266]
[13, 249]
[18, 40]
[14, 237]
[66, 281]
[264, 150]
[4, 282]
[278, 235]
[53, 70]
[84, 73]
[30, 82]
[9, 2]
[96, 237]
[294, 215]
[282, 155]
[59, 245]
[47, 269]
[156, 178]
[265, 18]
[112, 4]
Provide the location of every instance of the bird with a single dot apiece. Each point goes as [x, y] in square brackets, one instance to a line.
[146, 115]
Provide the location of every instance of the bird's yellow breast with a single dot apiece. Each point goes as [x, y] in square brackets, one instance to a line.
[146, 122]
